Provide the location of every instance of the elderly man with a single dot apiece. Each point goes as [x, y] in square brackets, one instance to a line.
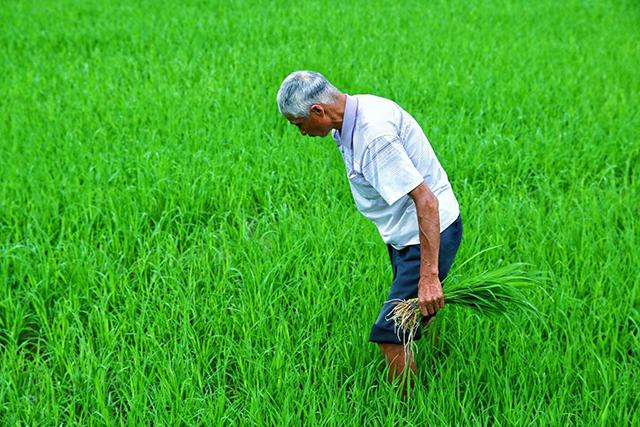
[397, 182]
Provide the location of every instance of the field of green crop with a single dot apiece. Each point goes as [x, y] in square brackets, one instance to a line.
[173, 252]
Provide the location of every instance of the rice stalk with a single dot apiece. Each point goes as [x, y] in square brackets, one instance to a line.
[494, 292]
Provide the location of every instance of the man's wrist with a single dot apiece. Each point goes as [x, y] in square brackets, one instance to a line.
[429, 276]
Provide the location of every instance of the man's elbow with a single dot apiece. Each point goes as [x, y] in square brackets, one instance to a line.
[424, 198]
[431, 202]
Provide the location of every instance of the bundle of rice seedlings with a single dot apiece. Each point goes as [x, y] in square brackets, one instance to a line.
[498, 291]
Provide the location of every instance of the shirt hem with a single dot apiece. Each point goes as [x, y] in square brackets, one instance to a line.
[416, 241]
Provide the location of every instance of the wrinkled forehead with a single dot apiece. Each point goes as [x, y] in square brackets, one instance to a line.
[294, 120]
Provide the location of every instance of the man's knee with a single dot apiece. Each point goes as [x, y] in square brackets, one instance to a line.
[394, 353]
[397, 362]
[390, 347]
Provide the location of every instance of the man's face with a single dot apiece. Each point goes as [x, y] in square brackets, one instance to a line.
[317, 124]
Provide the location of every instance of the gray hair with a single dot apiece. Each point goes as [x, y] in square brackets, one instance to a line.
[301, 89]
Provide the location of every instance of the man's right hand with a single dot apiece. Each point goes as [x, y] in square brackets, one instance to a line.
[430, 296]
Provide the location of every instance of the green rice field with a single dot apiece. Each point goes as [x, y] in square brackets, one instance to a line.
[174, 252]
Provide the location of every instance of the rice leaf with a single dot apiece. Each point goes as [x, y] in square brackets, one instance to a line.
[499, 291]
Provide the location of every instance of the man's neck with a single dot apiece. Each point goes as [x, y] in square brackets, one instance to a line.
[337, 114]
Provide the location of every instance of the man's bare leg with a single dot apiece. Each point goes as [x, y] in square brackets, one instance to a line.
[395, 356]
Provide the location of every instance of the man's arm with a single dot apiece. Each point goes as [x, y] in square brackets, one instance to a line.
[388, 168]
[430, 295]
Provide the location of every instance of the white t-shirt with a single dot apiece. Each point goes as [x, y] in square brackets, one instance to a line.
[387, 155]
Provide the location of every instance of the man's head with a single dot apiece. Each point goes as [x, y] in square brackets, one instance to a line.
[307, 100]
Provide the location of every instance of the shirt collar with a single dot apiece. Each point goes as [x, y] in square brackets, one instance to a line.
[344, 137]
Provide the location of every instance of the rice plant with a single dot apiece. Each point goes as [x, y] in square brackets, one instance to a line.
[172, 252]
[500, 290]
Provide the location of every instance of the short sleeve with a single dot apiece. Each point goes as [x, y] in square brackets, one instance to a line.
[388, 168]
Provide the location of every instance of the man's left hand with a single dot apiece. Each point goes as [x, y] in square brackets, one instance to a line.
[430, 296]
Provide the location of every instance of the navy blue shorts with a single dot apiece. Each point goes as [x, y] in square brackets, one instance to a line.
[406, 275]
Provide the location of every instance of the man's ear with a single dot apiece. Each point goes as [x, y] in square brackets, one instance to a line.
[317, 109]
